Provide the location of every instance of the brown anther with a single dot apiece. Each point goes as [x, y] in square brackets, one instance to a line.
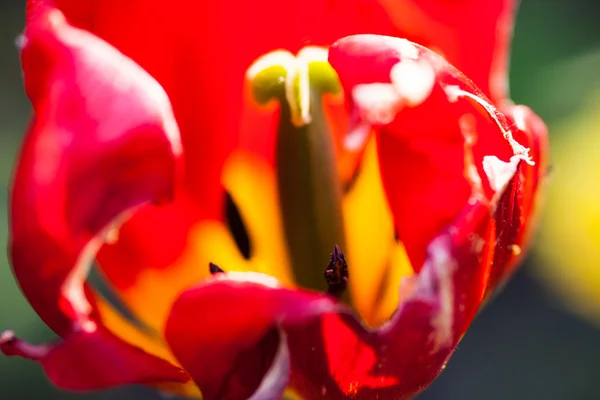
[336, 273]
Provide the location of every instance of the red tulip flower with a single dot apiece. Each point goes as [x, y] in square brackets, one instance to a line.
[282, 208]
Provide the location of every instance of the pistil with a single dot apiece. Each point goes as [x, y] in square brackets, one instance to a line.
[310, 190]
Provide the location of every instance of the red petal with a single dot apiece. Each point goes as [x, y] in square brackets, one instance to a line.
[224, 331]
[432, 142]
[103, 141]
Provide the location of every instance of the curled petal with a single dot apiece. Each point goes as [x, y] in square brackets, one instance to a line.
[102, 142]
[237, 344]
[439, 136]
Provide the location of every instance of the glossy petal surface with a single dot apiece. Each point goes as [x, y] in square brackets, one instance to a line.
[102, 142]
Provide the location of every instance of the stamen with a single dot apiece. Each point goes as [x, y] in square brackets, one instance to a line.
[336, 273]
[214, 269]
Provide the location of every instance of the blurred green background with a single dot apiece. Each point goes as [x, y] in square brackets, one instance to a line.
[526, 344]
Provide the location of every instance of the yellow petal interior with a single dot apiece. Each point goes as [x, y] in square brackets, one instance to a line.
[376, 262]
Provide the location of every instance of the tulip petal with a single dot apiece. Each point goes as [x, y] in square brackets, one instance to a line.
[225, 331]
[435, 130]
[103, 141]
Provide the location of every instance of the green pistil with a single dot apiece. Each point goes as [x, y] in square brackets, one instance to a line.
[310, 191]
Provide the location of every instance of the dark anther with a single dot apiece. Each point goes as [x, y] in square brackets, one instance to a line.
[336, 273]
[214, 269]
[236, 226]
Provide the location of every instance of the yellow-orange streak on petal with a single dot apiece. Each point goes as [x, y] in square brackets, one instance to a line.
[155, 290]
[377, 263]
[251, 182]
[215, 244]
[154, 345]
[389, 296]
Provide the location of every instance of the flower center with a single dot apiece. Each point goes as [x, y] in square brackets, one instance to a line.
[303, 184]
